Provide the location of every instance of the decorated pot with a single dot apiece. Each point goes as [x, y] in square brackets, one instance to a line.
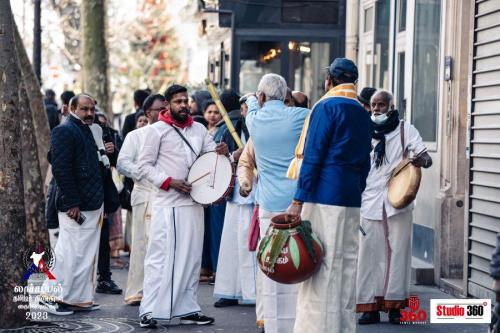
[289, 252]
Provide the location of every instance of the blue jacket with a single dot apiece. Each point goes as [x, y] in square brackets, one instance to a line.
[75, 166]
[224, 135]
[337, 154]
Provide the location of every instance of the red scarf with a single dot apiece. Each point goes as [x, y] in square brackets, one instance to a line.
[165, 116]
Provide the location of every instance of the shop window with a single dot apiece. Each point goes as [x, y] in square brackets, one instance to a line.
[306, 71]
[402, 15]
[316, 12]
[425, 88]
[381, 51]
[256, 60]
[368, 23]
[368, 69]
[401, 101]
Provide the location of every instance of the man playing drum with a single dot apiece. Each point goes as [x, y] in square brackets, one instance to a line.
[385, 251]
[336, 161]
[173, 258]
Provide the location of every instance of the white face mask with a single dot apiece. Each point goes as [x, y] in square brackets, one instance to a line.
[380, 119]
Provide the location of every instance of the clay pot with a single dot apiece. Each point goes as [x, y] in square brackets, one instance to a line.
[294, 263]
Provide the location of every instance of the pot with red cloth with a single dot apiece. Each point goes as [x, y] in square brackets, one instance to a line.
[289, 252]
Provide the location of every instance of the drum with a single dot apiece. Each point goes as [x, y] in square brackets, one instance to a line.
[403, 184]
[289, 252]
[211, 177]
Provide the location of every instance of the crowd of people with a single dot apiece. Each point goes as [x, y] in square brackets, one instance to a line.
[328, 164]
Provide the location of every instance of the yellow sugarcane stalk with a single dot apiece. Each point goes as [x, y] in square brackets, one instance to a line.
[222, 110]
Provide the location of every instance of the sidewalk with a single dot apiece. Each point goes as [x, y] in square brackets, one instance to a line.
[425, 293]
[115, 316]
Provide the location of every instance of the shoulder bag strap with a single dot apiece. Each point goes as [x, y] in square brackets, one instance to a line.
[402, 135]
[184, 139]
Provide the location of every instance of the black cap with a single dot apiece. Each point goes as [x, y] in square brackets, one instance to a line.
[344, 69]
[366, 94]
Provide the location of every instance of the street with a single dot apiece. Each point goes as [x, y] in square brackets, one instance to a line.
[115, 316]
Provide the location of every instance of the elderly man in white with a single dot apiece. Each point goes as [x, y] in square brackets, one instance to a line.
[142, 193]
[385, 251]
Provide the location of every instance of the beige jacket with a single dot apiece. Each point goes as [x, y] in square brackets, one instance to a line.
[246, 166]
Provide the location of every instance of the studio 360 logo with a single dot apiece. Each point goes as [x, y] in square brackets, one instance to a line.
[414, 315]
[464, 311]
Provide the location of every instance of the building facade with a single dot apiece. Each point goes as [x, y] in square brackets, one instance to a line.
[296, 39]
[441, 58]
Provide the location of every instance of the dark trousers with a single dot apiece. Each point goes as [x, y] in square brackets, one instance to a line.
[50, 206]
[206, 262]
[217, 213]
[103, 263]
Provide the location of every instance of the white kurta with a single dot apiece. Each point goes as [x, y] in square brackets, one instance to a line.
[385, 252]
[375, 194]
[279, 300]
[327, 300]
[173, 257]
[142, 193]
[76, 259]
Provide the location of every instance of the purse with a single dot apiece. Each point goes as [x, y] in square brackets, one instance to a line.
[254, 230]
[405, 179]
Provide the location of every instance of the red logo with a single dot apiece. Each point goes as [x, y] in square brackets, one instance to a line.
[413, 303]
[414, 315]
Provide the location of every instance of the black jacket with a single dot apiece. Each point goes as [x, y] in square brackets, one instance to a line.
[224, 135]
[129, 123]
[52, 113]
[75, 166]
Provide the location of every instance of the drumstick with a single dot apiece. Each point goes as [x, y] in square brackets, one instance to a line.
[194, 181]
[215, 169]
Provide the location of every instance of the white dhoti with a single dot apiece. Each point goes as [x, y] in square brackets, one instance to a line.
[327, 300]
[127, 234]
[279, 300]
[173, 261]
[141, 218]
[384, 264]
[236, 271]
[259, 303]
[76, 259]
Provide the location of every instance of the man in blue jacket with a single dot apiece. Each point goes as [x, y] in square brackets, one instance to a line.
[336, 162]
[79, 201]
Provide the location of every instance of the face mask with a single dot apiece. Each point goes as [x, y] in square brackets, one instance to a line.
[380, 119]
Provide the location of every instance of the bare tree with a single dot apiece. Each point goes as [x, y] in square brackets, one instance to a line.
[95, 54]
[34, 202]
[12, 211]
[36, 106]
[69, 18]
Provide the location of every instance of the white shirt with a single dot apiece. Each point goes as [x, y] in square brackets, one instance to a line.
[165, 154]
[375, 194]
[127, 165]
